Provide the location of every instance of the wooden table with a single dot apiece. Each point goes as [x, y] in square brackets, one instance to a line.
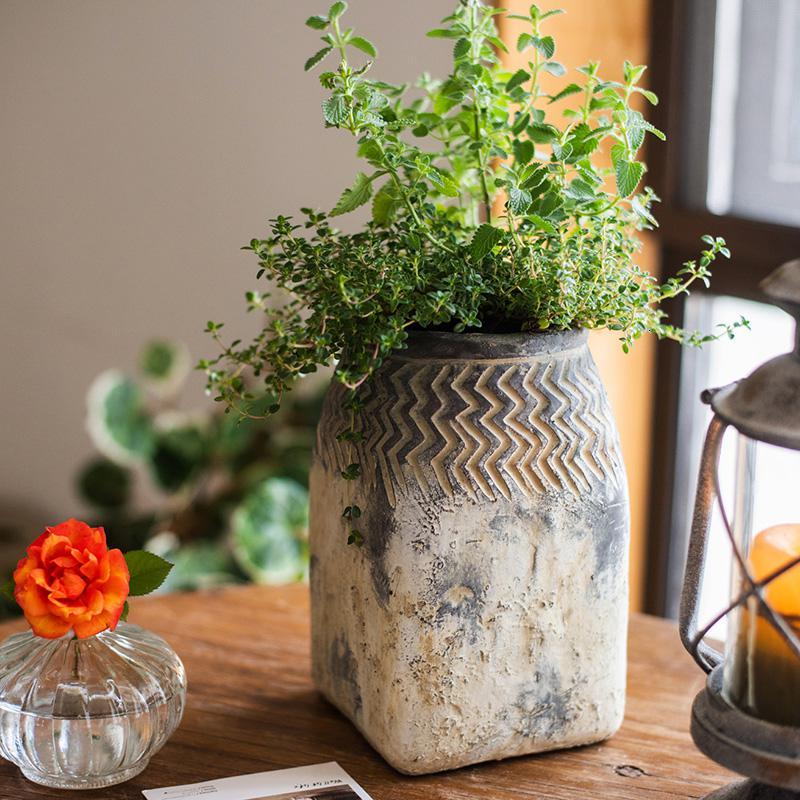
[252, 708]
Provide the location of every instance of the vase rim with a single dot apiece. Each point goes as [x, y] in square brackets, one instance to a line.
[424, 344]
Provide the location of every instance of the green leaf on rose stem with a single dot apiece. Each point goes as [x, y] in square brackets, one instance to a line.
[354, 196]
[7, 590]
[316, 58]
[365, 45]
[148, 571]
[484, 239]
[629, 173]
[125, 611]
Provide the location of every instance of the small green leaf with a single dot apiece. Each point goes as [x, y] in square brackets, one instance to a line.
[336, 10]
[316, 58]
[568, 90]
[483, 240]
[334, 109]
[519, 200]
[354, 196]
[148, 571]
[517, 79]
[355, 537]
[461, 48]
[365, 45]
[542, 224]
[629, 173]
[554, 68]
[443, 33]
[545, 45]
[523, 150]
[317, 23]
[7, 590]
[580, 191]
[651, 97]
[385, 204]
[126, 609]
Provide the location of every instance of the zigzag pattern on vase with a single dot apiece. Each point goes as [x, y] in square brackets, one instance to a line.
[479, 427]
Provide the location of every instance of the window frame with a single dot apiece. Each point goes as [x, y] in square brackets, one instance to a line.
[757, 249]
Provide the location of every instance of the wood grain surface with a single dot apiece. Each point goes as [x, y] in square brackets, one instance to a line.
[252, 707]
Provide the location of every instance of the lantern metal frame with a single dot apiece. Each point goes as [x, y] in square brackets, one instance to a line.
[765, 407]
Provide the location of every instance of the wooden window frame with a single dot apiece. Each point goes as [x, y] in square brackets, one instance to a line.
[757, 248]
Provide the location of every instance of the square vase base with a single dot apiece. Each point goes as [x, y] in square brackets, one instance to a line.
[100, 782]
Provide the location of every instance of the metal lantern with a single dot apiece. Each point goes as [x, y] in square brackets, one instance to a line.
[748, 716]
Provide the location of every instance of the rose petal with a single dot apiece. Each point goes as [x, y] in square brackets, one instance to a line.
[66, 562]
[96, 601]
[24, 569]
[39, 577]
[53, 547]
[73, 585]
[103, 621]
[90, 566]
[48, 626]
[32, 600]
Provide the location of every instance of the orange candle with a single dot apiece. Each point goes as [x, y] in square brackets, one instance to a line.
[763, 673]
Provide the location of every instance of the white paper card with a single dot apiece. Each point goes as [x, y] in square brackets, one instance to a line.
[320, 782]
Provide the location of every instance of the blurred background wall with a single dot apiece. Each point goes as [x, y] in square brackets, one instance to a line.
[141, 143]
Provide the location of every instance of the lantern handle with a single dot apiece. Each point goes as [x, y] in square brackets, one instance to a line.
[704, 654]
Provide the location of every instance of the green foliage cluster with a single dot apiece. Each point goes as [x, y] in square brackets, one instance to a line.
[230, 498]
[440, 155]
[437, 156]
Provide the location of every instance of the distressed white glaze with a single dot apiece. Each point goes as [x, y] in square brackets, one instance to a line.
[485, 616]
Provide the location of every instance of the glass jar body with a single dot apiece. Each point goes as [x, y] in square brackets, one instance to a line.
[87, 713]
[761, 675]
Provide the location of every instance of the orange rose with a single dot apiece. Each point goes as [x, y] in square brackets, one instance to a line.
[70, 580]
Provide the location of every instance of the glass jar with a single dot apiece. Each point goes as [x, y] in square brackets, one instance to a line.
[761, 675]
[87, 713]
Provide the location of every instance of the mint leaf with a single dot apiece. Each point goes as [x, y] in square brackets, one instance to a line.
[317, 23]
[629, 173]
[546, 45]
[484, 239]
[316, 58]
[568, 90]
[385, 204]
[334, 109]
[148, 571]
[519, 200]
[354, 196]
[517, 79]
[336, 10]
[365, 45]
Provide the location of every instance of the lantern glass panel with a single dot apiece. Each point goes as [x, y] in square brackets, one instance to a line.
[762, 664]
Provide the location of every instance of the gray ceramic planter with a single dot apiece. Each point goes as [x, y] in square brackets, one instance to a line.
[485, 616]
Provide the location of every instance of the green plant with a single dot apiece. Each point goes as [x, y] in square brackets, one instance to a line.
[229, 496]
[440, 157]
